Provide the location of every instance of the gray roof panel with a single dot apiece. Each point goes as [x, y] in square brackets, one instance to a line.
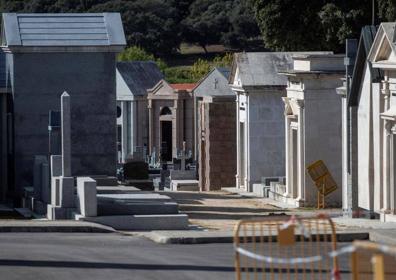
[365, 43]
[263, 68]
[215, 84]
[139, 75]
[64, 30]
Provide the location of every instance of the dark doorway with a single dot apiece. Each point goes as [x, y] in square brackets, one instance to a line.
[166, 140]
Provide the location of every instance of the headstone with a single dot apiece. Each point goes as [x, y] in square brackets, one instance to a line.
[66, 192]
[56, 172]
[86, 194]
[136, 170]
[37, 175]
[183, 157]
[66, 134]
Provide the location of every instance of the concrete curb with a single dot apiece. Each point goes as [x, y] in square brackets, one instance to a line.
[53, 226]
[202, 237]
[384, 236]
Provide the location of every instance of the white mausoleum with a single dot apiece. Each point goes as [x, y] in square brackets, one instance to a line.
[382, 56]
[312, 125]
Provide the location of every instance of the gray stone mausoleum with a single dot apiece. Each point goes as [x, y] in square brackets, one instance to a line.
[45, 55]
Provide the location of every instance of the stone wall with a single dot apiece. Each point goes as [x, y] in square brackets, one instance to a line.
[217, 166]
[266, 144]
[38, 81]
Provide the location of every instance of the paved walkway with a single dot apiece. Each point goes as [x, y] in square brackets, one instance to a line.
[32, 256]
[221, 210]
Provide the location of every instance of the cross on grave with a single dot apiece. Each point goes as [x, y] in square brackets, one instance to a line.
[215, 83]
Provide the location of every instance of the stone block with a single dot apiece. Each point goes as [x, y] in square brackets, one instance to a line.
[136, 170]
[56, 165]
[59, 213]
[86, 195]
[184, 185]
[45, 184]
[183, 175]
[55, 191]
[37, 176]
[66, 192]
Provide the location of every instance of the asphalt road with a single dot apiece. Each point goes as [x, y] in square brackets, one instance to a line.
[42, 256]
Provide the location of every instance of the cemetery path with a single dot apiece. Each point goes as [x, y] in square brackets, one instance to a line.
[109, 256]
[48, 256]
[221, 210]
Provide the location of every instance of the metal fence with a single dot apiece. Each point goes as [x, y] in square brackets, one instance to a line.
[306, 248]
[286, 248]
[373, 261]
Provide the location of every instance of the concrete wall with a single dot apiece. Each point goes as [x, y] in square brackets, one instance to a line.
[378, 123]
[38, 82]
[322, 131]
[217, 159]
[365, 144]
[266, 135]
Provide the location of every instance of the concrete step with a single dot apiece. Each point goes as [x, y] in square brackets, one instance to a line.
[141, 222]
[139, 196]
[114, 208]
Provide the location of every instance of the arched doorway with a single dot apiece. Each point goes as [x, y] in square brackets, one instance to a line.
[166, 134]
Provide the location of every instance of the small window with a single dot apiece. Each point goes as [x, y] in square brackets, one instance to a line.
[166, 111]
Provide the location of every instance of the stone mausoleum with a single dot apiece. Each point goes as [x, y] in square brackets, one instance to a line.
[313, 126]
[47, 54]
[216, 131]
[171, 119]
[134, 78]
[381, 196]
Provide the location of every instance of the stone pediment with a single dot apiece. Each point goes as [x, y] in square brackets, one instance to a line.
[384, 48]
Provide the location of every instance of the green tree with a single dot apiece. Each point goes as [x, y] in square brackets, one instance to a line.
[207, 20]
[135, 53]
[298, 25]
[387, 10]
[243, 32]
[148, 24]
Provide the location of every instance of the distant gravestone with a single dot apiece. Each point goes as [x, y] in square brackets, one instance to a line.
[136, 170]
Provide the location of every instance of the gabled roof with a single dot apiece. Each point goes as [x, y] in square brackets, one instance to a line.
[262, 68]
[38, 32]
[165, 90]
[365, 43]
[183, 87]
[139, 75]
[383, 44]
[215, 83]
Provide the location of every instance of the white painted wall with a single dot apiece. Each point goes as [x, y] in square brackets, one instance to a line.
[365, 145]
[266, 135]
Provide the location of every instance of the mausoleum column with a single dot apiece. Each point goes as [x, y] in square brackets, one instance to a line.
[150, 109]
[288, 143]
[175, 128]
[392, 167]
[238, 143]
[300, 152]
[386, 165]
[386, 149]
